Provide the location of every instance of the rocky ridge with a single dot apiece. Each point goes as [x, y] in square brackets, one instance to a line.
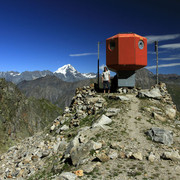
[126, 135]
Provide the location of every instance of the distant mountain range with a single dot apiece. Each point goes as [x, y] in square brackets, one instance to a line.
[60, 92]
[66, 73]
[59, 86]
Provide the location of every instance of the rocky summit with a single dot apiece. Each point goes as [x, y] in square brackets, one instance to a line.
[131, 134]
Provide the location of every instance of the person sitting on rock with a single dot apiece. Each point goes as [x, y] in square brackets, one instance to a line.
[106, 79]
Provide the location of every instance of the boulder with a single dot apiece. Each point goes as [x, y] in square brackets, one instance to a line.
[125, 90]
[67, 110]
[103, 120]
[96, 100]
[113, 154]
[88, 168]
[99, 105]
[161, 135]
[170, 112]
[174, 156]
[137, 155]
[120, 90]
[158, 117]
[123, 98]
[53, 127]
[66, 176]
[122, 155]
[154, 108]
[153, 93]
[116, 145]
[103, 157]
[62, 145]
[112, 112]
[116, 97]
[177, 122]
[64, 128]
[128, 154]
[80, 154]
[80, 147]
[151, 157]
[97, 145]
[79, 96]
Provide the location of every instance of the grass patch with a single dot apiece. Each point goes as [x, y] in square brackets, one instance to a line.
[134, 173]
[114, 103]
[174, 90]
[92, 152]
[87, 121]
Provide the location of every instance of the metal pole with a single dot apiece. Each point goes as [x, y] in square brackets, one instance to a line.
[156, 49]
[98, 64]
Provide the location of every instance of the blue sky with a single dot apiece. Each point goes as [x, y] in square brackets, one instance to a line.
[47, 34]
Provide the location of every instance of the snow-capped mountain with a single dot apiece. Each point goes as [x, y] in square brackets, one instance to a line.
[66, 73]
[70, 74]
[67, 68]
[17, 77]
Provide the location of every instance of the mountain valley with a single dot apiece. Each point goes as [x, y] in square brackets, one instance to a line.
[57, 91]
[66, 73]
[60, 92]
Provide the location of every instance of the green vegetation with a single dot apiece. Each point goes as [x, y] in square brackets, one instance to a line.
[113, 103]
[134, 173]
[20, 116]
[174, 91]
[41, 175]
[87, 121]
[92, 152]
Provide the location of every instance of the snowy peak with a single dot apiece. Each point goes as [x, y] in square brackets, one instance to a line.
[10, 73]
[66, 68]
[69, 73]
[13, 73]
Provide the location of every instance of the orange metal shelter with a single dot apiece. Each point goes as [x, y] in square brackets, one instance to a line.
[126, 51]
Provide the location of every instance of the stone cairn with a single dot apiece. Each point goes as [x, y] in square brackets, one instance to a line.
[85, 102]
[160, 93]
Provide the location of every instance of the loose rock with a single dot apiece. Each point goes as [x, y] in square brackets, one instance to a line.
[137, 155]
[103, 120]
[103, 157]
[67, 176]
[174, 156]
[159, 117]
[161, 135]
[153, 93]
[170, 112]
[151, 157]
[112, 112]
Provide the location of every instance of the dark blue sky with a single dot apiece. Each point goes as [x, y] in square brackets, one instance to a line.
[47, 34]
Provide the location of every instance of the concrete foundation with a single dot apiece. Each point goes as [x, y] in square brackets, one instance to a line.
[126, 78]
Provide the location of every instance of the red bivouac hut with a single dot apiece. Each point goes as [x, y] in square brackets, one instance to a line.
[126, 53]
